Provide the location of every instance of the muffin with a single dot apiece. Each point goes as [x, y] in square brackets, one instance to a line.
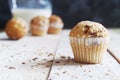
[55, 25]
[39, 26]
[16, 28]
[89, 41]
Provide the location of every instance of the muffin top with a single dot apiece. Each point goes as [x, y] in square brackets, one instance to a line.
[17, 23]
[89, 29]
[55, 18]
[16, 28]
[39, 21]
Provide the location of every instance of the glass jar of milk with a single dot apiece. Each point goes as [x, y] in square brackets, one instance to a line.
[27, 9]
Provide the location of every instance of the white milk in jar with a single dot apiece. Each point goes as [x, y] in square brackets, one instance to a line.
[28, 14]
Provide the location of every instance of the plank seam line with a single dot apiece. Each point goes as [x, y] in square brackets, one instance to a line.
[54, 57]
[111, 53]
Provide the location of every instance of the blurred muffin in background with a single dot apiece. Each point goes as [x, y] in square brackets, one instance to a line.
[16, 28]
[39, 26]
[56, 24]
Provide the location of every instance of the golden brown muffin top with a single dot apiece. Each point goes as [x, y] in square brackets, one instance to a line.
[16, 28]
[55, 18]
[39, 21]
[89, 29]
[17, 23]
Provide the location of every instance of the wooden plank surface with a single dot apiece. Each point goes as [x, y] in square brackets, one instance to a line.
[28, 59]
[64, 67]
[114, 47]
[4, 42]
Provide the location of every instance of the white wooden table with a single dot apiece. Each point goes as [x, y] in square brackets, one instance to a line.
[51, 58]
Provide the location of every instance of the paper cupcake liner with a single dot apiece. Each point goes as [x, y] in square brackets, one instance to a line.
[38, 32]
[53, 30]
[36, 27]
[88, 50]
[56, 25]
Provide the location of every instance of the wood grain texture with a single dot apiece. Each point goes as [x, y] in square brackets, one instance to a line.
[5, 43]
[31, 58]
[28, 59]
[64, 67]
[114, 47]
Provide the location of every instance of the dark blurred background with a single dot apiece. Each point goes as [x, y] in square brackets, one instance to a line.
[106, 12]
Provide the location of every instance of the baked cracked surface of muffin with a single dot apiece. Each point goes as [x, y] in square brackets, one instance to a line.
[16, 28]
[89, 29]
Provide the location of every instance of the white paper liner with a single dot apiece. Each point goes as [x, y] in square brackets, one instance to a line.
[45, 28]
[39, 31]
[88, 50]
[56, 25]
